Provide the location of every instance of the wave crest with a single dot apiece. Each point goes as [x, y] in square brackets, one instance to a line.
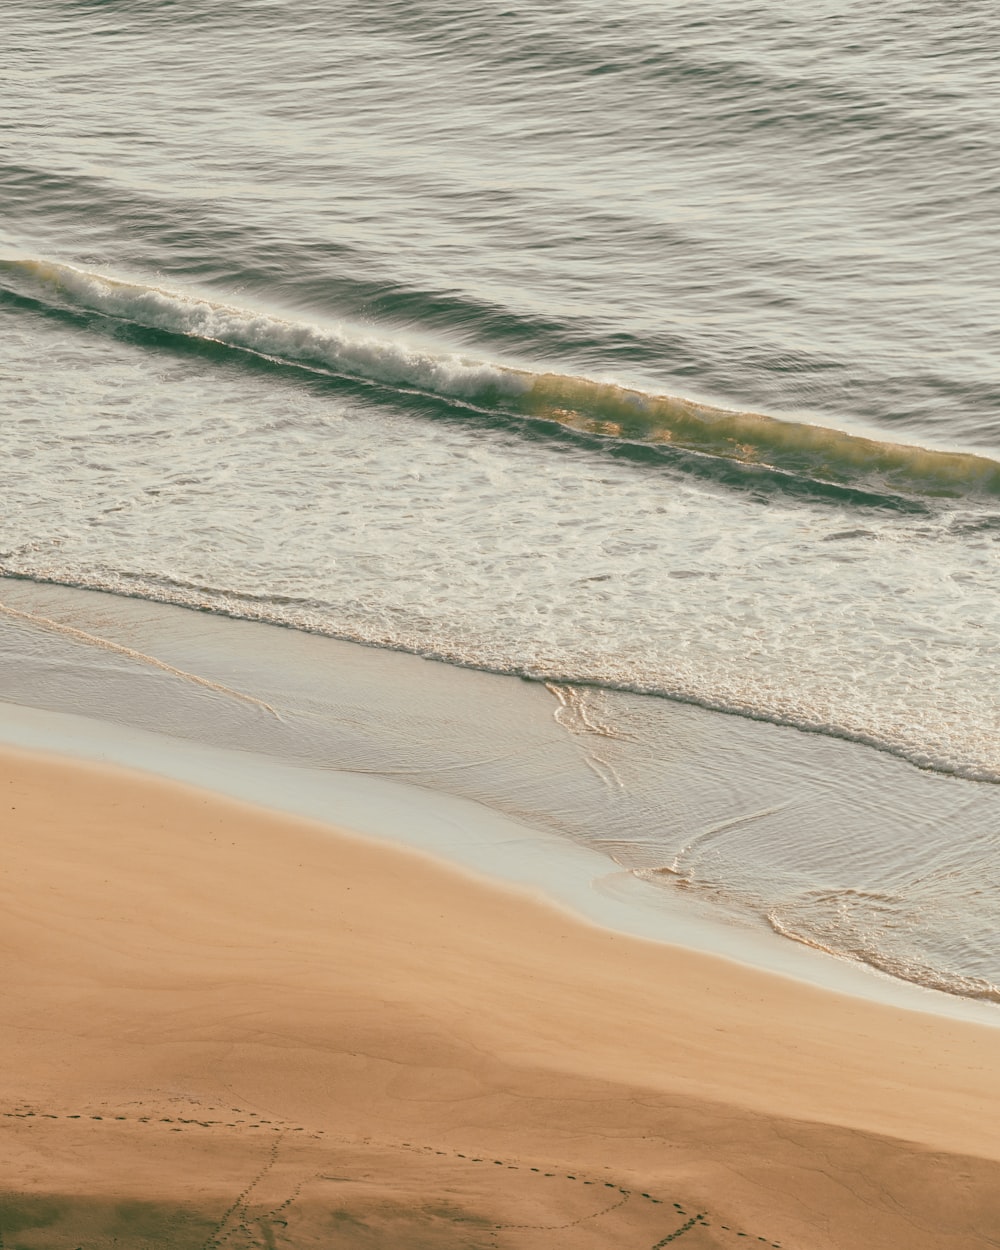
[602, 408]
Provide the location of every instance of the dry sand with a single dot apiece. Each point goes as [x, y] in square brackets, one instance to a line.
[225, 1027]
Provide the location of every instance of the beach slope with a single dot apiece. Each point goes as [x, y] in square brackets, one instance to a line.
[227, 1027]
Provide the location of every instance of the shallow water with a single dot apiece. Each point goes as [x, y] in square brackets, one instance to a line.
[737, 830]
[651, 354]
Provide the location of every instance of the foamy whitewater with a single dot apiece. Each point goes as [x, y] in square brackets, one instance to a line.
[648, 353]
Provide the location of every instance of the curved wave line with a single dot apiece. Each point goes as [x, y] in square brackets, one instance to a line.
[923, 974]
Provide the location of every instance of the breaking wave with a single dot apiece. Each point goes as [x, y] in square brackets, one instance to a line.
[595, 407]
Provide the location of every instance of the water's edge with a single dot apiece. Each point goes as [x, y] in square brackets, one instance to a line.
[406, 808]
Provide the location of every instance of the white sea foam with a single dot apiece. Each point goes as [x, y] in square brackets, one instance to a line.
[332, 346]
[259, 498]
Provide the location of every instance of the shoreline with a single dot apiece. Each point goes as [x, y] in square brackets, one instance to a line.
[607, 815]
[469, 837]
[175, 947]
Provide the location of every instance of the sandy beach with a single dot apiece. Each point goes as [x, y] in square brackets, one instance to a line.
[498, 627]
[224, 1026]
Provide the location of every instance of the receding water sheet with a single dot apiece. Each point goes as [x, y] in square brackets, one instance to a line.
[766, 829]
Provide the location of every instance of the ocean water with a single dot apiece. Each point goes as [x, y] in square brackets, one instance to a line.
[649, 354]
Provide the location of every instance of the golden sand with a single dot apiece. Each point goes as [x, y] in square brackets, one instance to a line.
[226, 1027]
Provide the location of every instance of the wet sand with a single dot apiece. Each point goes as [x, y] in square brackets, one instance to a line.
[711, 831]
[224, 1026]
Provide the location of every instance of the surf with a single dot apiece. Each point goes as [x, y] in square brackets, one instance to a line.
[605, 409]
